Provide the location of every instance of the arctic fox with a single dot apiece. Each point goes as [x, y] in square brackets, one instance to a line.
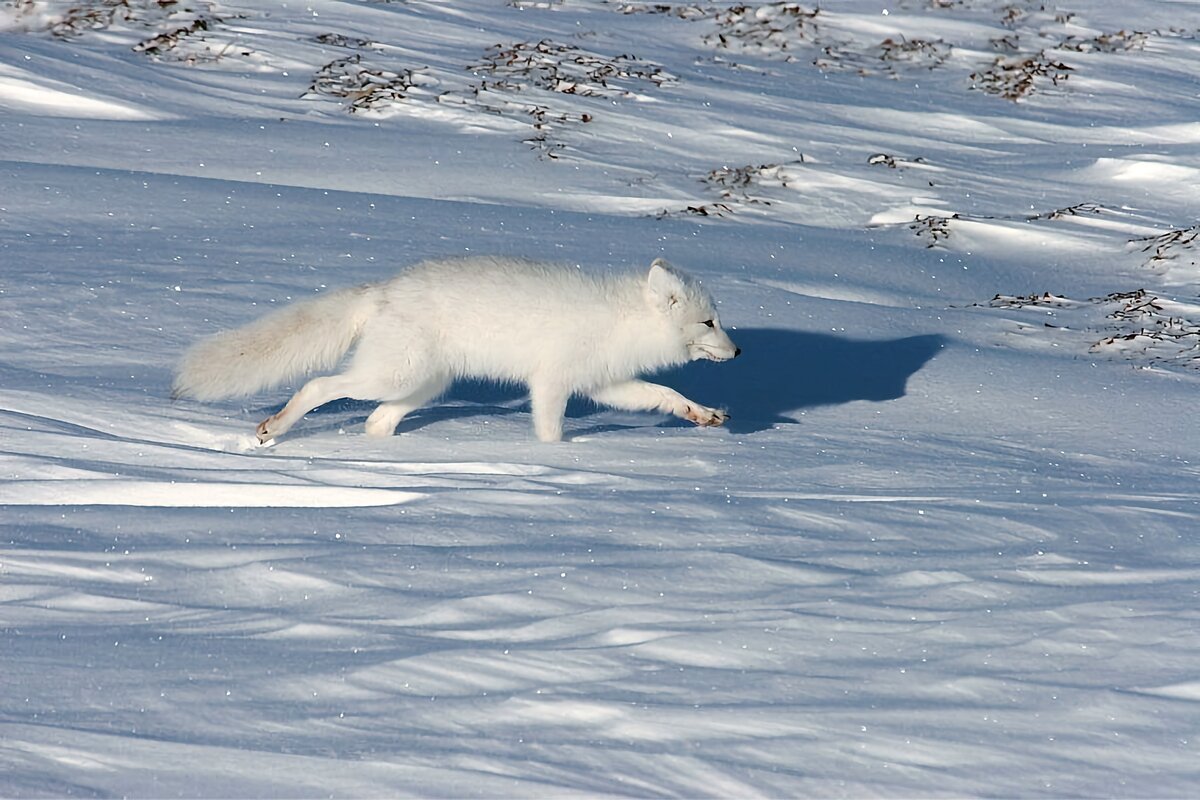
[555, 329]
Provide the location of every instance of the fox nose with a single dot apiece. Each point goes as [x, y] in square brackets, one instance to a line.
[737, 351]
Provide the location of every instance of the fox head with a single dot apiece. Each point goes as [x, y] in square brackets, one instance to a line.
[688, 307]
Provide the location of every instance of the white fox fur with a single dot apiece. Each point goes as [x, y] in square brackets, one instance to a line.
[286, 344]
[555, 329]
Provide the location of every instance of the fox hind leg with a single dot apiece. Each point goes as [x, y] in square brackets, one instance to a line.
[316, 392]
[387, 416]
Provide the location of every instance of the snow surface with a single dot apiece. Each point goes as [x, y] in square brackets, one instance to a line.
[949, 543]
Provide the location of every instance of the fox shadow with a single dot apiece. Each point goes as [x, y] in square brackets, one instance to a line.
[782, 372]
[779, 373]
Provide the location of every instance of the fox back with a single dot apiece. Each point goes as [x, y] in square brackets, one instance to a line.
[510, 319]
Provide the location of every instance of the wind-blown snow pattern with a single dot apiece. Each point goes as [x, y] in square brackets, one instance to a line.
[947, 545]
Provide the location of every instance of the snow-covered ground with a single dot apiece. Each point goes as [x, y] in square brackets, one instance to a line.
[949, 543]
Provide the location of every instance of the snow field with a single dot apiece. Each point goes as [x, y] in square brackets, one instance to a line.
[945, 546]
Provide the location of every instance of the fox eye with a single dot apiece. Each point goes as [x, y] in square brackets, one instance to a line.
[709, 323]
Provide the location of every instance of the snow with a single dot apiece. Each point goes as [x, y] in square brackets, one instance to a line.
[947, 545]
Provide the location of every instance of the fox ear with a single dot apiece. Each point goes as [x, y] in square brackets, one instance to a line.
[664, 287]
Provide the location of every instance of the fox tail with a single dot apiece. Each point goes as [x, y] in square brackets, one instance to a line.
[302, 338]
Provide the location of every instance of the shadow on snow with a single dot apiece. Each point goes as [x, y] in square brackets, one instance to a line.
[779, 373]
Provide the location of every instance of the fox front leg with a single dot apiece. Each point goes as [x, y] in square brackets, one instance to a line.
[549, 405]
[644, 396]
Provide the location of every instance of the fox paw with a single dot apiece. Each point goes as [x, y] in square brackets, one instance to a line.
[264, 432]
[705, 417]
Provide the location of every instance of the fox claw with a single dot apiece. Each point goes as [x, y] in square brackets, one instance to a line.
[262, 433]
[706, 417]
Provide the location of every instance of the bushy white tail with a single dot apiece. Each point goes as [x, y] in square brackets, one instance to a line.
[304, 337]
